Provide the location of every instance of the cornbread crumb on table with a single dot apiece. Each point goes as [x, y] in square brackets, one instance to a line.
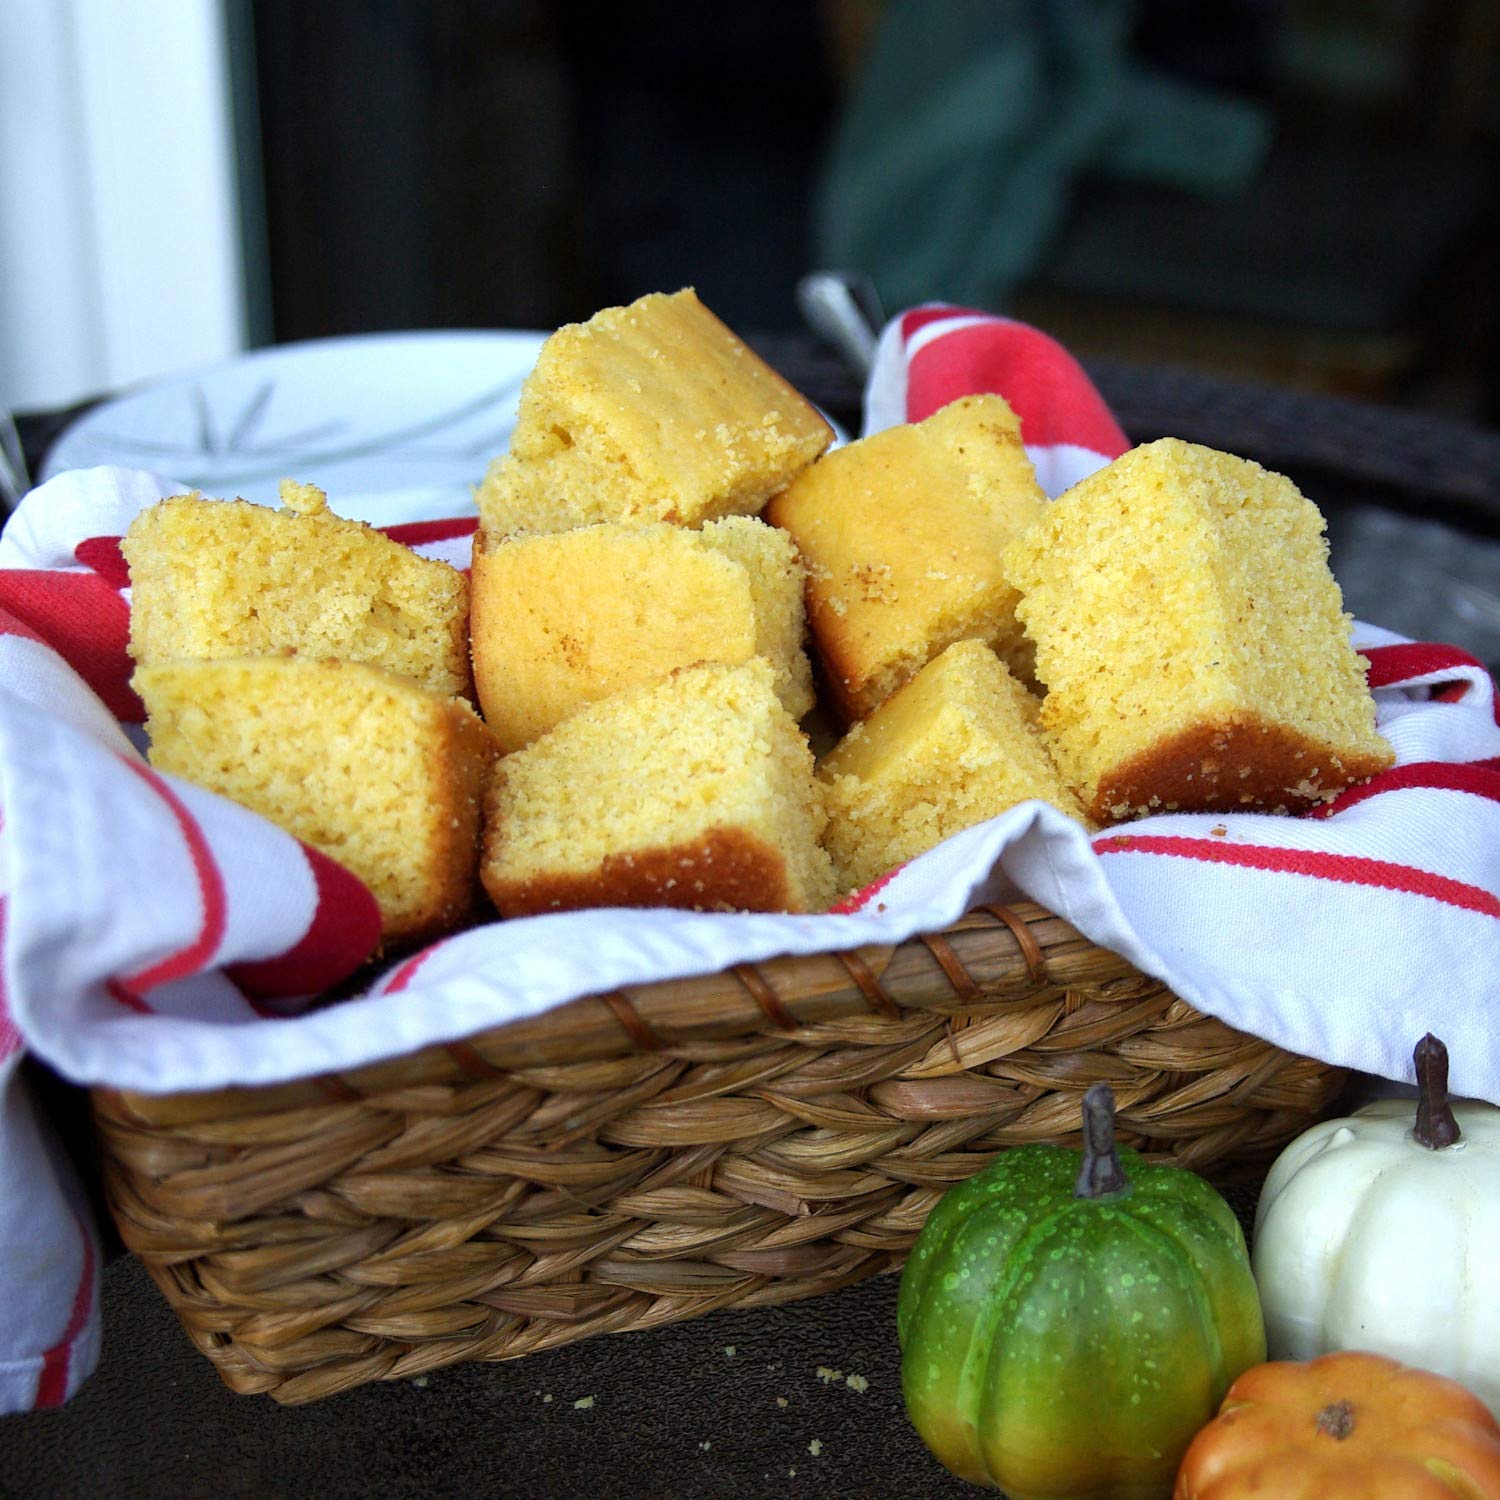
[901, 534]
[371, 768]
[696, 791]
[563, 620]
[652, 412]
[225, 578]
[957, 744]
[1192, 640]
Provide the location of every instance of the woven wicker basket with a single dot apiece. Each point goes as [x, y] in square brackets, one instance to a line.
[756, 1136]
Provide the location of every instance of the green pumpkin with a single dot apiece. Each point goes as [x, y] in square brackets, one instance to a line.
[1065, 1332]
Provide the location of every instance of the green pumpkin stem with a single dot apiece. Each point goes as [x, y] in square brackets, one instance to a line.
[1101, 1174]
[1436, 1126]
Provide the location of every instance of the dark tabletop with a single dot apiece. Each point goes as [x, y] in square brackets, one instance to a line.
[799, 1399]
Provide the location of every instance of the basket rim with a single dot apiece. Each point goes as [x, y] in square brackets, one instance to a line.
[995, 953]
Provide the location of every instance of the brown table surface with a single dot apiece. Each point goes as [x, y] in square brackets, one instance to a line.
[697, 1409]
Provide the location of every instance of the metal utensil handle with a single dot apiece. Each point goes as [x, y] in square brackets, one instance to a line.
[843, 308]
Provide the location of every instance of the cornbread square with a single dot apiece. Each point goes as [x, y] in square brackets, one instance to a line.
[374, 770]
[902, 534]
[957, 744]
[563, 620]
[651, 412]
[225, 578]
[697, 792]
[1192, 639]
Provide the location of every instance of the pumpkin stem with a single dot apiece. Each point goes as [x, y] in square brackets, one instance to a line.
[1436, 1126]
[1336, 1420]
[1101, 1174]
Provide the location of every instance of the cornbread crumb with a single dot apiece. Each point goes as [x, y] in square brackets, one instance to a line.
[781, 1401]
[1192, 640]
[829, 1376]
[303, 499]
[584, 1403]
[857, 1383]
[957, 744]
[224, 578]
[615, 418]
[562, 621]
[901, 534]
[815, 1447]
[728, 1351]
[697, 791]
[369, 767]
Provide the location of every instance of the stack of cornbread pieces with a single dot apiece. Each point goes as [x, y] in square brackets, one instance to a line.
[666, 530]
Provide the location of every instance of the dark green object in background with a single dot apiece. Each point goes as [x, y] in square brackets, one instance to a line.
[953, 167]
[1064, 1333]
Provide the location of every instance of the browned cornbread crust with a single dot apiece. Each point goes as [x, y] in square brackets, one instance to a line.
[696, 791]
[650, 412]
[1192, 639]
[1228, 765]
[726, 869]
[214, 579]
[901, 534]
[369, 767]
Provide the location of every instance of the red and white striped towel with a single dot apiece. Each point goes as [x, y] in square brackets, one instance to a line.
[156, 937]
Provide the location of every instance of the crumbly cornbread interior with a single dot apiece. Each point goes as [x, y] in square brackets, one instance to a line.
[654, 411]
[563, 620]
[1192, 639]
[640, 790]
[901, 534]
[956, 745]
[369, 767]
[225, 578]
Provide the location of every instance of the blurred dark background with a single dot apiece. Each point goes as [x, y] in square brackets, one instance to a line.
[1301, 191]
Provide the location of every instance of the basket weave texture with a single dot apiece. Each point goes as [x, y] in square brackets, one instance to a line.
[750, 1137]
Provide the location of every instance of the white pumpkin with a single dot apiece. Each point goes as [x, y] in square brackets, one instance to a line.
[1368, 1239]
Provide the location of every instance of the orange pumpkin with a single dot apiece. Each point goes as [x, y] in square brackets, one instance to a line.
[1349, 1426]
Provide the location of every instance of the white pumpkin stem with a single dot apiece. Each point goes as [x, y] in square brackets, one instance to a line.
[1101, 1174]
[1436, 1126]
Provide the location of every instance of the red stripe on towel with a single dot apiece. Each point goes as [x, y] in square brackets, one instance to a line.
[10, 1036]
[1477, 778]
[195, 955]
[1045, 386]
[860, 899]
[408, 971]
[117, 992]
[343, 933]
[923, 317]
[85, 621]
[103, 555]
[52, 1385]
[1345, 869]
[1393, 665]
[419, 533]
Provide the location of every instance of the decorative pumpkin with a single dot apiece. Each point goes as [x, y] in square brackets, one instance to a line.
[1375, 1234]
[1345, 1427]
[1065, 1332]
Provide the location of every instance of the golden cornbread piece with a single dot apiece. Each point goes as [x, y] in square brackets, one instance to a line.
[696, 791]
[224, 578]
[1192, 639]
[369, 767]
[651, 412]
[957, 744]
[902, 534]
[563, 620]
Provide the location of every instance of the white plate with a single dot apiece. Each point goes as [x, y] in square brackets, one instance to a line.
[395, 427]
